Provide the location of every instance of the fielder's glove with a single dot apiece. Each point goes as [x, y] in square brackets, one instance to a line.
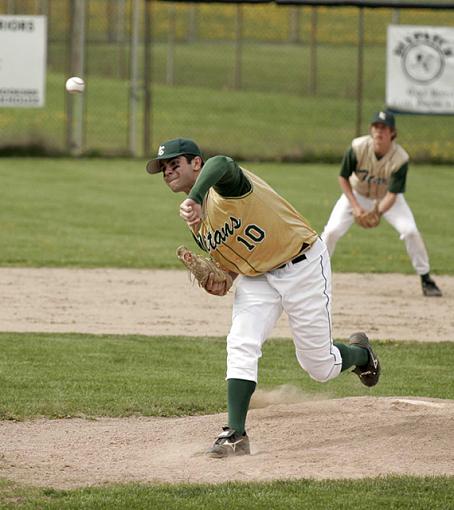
[201, 268]
[369, 219]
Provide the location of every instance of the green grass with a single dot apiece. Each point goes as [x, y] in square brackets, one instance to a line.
[269, 118]
[60, 375]
[110, 213]
[390, 493]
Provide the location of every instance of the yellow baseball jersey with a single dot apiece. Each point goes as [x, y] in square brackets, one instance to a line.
[372, 176]
[253, 233]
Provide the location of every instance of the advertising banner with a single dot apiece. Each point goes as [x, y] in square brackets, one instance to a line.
[420, 69]
[23, 48]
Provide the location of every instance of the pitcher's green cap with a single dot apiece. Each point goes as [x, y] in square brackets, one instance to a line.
[172, 149]
[384, 117]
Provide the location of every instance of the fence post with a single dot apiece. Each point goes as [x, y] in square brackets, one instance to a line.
[192, 23]
[170, 75]
[147, 74]
[360, 72]
[294, 22]
[121, 40]
[133, 74]
[11, 7]
[120, 28]
[110, 15]
[75, 103]
[313, 53]
[396, 17]
[238, 46]
[115, 20]
[43, 8]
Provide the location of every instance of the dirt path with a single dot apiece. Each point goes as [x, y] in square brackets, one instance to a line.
[144, 302]
[293, 436]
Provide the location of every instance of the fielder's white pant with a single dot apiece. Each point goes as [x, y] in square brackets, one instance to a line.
[303, 291]
[399, 216]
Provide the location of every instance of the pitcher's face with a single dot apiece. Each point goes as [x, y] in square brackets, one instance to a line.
[178, 174]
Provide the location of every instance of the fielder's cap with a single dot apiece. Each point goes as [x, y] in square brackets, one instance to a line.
[172, 149]
[384, 117]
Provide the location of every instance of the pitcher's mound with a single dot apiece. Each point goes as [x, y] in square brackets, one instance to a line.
[293, 439]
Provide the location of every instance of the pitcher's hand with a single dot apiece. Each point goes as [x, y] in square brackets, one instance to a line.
[191, 212]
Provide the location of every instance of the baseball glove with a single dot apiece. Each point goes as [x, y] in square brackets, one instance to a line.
[369, 219]
[201, 268]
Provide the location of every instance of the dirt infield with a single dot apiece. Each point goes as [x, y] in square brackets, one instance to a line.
[124, 301]
[293, 436]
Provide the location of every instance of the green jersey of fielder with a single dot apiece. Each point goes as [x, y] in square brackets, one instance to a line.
[278, 262]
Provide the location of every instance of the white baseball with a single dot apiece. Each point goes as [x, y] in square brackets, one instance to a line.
[75, 85]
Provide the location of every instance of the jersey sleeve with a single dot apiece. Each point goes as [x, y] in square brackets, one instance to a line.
[398, 180]
[224, 175]
[349, 163]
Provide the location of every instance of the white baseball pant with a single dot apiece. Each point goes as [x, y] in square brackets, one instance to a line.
[303, 291]
[399, 216]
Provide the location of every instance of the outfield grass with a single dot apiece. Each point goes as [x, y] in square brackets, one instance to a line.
[61, 375]
[110, 213]
[390, 493]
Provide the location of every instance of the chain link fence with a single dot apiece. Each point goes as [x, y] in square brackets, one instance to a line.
[256, 81]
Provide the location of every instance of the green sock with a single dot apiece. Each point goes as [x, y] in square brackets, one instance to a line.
[352, 355]
[239, 393]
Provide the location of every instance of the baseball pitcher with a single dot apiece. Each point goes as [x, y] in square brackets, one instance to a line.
[278, 263]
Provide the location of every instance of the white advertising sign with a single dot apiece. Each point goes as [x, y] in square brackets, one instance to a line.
[23, 47]
[420, 69]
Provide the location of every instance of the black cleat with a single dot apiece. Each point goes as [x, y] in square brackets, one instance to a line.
[368, 374]
[430, 288]
[229, 443]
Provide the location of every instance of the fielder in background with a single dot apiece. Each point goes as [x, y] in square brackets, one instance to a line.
[280, 264]
[372, 177]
